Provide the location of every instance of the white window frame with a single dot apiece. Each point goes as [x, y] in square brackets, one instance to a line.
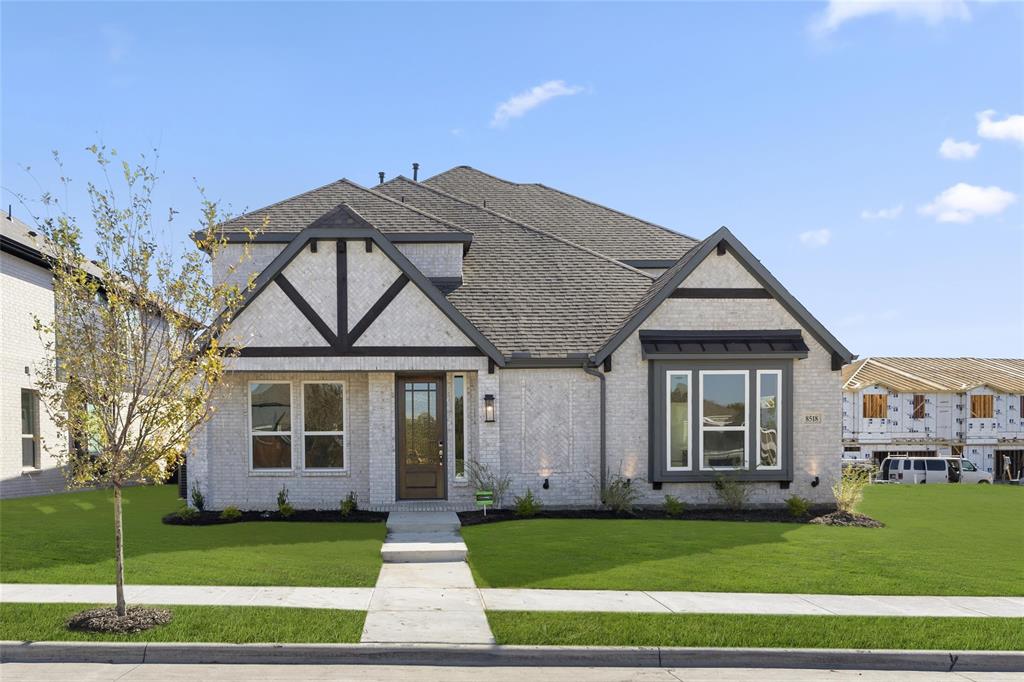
[465, 427]
[35, 437]
[344, 422]
[290, 433]
[746, 419]
[668, 419]
[778, 420]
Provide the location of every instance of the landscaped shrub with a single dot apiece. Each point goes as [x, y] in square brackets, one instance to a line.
[527, 505]
[349, 505]
[798, 506]
[230, 513]
[673, 506]
[849, 489]
[283, 507]
[482, 478]
[187, 513]
[198, 501]
[619, 495]
[731, 492]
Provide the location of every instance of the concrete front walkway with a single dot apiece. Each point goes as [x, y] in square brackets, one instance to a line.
[448, 587]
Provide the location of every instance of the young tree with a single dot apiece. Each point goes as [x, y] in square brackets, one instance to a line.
[131, 354]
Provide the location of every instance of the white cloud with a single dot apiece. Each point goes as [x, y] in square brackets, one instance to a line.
[962, 203]
[815, 238]
[518, 105]
[1010, 128]
[951, 149]
[932, 12]
[882, 213]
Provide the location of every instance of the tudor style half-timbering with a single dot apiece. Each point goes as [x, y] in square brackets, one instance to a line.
[397, 335]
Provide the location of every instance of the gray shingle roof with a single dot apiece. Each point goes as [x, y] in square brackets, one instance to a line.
[386, 214]
[602, 229]
[528, 290]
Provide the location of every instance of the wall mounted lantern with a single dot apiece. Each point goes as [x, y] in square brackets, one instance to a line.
[815, 482]
[488, 408]
[546, 484]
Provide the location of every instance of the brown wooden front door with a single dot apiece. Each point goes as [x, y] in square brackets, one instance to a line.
[420, 438]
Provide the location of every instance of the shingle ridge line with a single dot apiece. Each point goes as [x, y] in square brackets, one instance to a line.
[406, 206]
[527, 227]
[278, 203]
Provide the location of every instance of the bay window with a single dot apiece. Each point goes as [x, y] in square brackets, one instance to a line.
[270, 425]
[720, 417]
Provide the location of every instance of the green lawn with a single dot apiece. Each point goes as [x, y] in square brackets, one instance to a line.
[69, 538]
[229, 624]
[942, 540]
[717, 630]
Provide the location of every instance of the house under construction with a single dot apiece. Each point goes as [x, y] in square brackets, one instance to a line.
[961, 407]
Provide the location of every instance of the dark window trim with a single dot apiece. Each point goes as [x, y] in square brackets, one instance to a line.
[657, 461]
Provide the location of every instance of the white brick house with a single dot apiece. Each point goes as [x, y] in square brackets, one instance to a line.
[396, 335]
[26, 292]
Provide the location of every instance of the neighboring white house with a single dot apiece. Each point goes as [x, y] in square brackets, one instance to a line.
[961, 407]
[396, 336]
[26, 291]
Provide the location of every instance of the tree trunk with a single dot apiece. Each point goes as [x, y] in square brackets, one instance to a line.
[119, 550]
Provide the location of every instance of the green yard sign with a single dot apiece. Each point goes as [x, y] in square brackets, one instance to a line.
[484, 499]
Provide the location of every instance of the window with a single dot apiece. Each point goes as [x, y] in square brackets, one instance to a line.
[936, 465]
[876, 405]
[459, 420]
[323, 421]
[723, 419]
[918, 465]
[677, 415]
[918, 406]
[769, 406]
[968, 465]
[981, 407]
[270, 423]
[29, 429]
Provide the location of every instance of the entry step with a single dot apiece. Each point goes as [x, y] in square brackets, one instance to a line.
[423, 522]
[408, 547]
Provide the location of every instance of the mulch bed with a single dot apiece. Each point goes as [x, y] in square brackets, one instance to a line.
[136, 619]
[212, 518]
[841, 518]
[474, 518]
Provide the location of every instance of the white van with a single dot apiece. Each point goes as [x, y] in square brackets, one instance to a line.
[931, 470]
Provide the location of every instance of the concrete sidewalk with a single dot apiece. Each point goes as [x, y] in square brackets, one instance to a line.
[448, 587]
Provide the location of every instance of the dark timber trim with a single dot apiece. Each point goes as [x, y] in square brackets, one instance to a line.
[648, 263]
[720, 293]
[394, 237]
[306, 309]
[359, 351]
[341, 271]
[723, 241]
[377, 308]
[345, 224]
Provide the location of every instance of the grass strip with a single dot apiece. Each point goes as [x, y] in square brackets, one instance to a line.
[226, 624]
[728, 630]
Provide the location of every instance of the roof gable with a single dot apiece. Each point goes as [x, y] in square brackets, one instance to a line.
[672, 278]
[935, 375]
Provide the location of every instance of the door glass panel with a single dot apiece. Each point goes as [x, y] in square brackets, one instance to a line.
[421, 428]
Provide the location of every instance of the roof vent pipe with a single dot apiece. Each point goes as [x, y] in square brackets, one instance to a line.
[380, 174]
[415, 171]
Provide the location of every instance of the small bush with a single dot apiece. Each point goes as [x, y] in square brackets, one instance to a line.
[187, 513]
[731, 492]
[230, 513]
[849, 489]
[198, 501]
[619, 495]
[349, 505]
[282, 497]
[798, 506]
[673, 506]
[527, 505]
[482, 478]
[285, 510]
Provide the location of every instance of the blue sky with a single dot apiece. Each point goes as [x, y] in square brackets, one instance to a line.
[816, 132]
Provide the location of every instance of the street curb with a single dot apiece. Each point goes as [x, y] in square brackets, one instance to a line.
[495, 655]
